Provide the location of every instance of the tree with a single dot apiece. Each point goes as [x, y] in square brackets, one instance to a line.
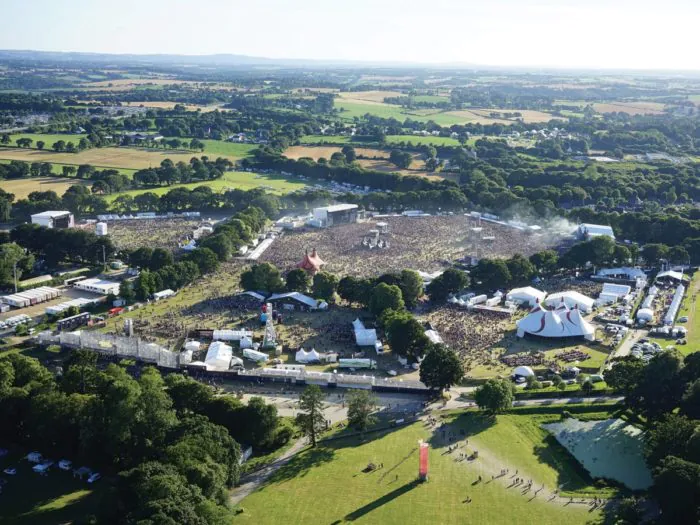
[621, 254]
[494, 396]
[411, 285]
[126, 291]
[653, 253]
[401, 159]
[160, 258]
[405, 334]
[624, 375]
[324, 285]
[59, 146]
[492, 273]
[521, 269]
[441, 367]
[677, 490]
[349, 152]
[450, 281]
[587, 388]
[545, 261]
[385, 297]
[311, 420]
[361, 407]
[40, 144]
[690, 404]
[205, 259]
[669, 436]
[298, 280]
[660, 388]
[220, 244]
[264, 277]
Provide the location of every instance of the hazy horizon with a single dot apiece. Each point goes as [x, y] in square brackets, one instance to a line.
[617, 34]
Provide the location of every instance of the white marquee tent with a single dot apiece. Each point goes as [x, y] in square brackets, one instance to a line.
[219, 356]
[527, 295]
[524, 371]
[302, 356]
[572, 299]
[364, 336]
[562, 322]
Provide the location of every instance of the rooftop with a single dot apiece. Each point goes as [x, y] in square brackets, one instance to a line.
[50, 214]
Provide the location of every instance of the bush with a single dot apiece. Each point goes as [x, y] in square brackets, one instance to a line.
[565, 414]
[284, 432]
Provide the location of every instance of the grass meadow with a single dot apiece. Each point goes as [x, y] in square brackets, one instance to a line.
[333, 474]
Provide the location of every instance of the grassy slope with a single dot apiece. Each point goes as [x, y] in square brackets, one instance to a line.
[332, 474]
[232, 179]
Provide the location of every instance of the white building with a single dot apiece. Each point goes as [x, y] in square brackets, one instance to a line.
[54, 219]
[98, 286]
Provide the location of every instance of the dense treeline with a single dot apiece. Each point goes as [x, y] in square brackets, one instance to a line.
[666, 392]
[172, 444]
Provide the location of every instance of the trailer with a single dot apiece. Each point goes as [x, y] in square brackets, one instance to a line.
[357, 363]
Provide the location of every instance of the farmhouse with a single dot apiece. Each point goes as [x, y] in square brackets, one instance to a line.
[54, 219]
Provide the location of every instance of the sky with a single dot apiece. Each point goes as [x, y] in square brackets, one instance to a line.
[629, 34]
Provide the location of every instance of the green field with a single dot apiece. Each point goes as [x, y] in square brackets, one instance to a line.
[230, 180]
[30, 499]
[333, 474]
[418, 140]
[48, 138]
[332, 139]
[232, 149]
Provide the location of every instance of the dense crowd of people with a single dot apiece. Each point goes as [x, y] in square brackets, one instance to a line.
[154, 233]
[418, 243]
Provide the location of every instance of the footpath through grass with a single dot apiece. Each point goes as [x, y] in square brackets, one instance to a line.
[328, 485]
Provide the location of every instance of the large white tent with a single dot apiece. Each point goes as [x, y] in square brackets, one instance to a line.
[562, 322]
[364, 336]
[572, 299]
[527, 295]
[302, 356]
[219, 356]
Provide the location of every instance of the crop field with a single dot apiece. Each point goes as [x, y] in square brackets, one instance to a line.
[230, 180]
[132, 158]
[631, 108]
[335, 139]
[21, 188]
[355, 107]
[335, 473]
[220, 148]
[424, 141]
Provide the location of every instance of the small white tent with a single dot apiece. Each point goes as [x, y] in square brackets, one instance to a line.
[528, 295]
[219, 356]
[524, 371]
[303, 356]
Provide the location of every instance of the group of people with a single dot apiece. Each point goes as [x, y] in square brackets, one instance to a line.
[154, 233]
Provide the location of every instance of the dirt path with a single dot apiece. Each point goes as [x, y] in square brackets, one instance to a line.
[253, 480]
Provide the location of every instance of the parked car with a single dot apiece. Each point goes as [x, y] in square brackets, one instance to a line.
[94, 477]
[65, 464]
[10, 471]
[683, 319]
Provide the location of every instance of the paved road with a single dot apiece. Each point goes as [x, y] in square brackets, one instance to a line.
[626, 346]
[253, 480]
